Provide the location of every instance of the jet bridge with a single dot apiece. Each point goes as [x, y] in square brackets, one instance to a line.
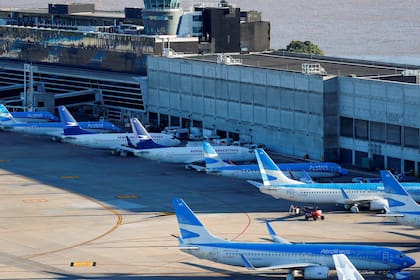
[74, 98]
[11, 91]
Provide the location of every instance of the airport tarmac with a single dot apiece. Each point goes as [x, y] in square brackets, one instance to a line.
[112, 217]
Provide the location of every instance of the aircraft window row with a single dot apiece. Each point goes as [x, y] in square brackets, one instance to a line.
[337, 192]
[261, 254]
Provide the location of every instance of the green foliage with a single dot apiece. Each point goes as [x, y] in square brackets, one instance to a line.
[304, 47]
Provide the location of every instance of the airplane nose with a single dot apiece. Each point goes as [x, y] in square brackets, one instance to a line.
[407, 262]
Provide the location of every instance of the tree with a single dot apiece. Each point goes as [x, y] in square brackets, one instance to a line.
[304, 47]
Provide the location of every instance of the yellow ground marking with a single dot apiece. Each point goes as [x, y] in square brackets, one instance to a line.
[116, 225]
[83, 264]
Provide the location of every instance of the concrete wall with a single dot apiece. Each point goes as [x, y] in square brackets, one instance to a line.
[380, 101]
[283, 110]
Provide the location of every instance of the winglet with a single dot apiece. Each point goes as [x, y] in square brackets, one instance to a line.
[344, 194]
[345, 269]
[129, 143]
[247, 263]
[274, 236]
[306, 178]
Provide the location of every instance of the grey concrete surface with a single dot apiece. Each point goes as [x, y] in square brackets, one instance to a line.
[61, 204]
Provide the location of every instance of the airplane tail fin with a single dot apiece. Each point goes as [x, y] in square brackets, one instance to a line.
[70, 125]
[211, 158]
[142, 137]
[270, 173]
[5, 115]
[191, 229]
[397, 196]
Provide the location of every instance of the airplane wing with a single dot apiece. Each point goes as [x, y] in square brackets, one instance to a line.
[249, 265]
[361, 200]
[127, 149]
[345, 269]
[189, 247]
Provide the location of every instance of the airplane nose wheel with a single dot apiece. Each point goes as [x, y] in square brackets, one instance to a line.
[354, 209]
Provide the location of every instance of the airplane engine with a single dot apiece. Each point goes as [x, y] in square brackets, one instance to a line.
[316, 272]
[378, 204]
[402, 275]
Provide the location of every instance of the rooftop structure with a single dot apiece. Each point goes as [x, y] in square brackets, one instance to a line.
[161, 16]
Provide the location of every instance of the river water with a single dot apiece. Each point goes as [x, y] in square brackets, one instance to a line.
[385, 30]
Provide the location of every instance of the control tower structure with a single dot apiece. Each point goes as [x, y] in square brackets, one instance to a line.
[161, 17]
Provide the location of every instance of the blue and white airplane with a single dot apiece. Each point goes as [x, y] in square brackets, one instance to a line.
[145, 147]
[345, 269]
[314, 260]
[351, 195]
[54, 129]
[401, 206]
[74, 134]
[215, 165]
[38, 116]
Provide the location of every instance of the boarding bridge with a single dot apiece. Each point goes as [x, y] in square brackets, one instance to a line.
[11, 91]
[75, 98]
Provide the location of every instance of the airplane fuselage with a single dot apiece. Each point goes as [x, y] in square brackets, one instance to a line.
[56, 128]
[331, 192]
[251, 171]
[268, 255]
[113, 140]
[193, 154]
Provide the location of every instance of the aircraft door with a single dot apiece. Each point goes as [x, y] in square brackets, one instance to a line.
[386, 257]
[290, 193]
[213, 254]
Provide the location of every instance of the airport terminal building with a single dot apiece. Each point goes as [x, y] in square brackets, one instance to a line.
[321, 108]
[328, 110]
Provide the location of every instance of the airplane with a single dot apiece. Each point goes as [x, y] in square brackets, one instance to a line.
[345, 269]
[147, 148]
[74, 134]
[314, 260]
[54, 129]
[215, 165]
[402, 207]
[38, 116]
[351, 195]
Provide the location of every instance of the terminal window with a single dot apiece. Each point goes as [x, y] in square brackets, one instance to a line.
[346, 127]
[411, 137]
[361, 129]
[393, 134]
